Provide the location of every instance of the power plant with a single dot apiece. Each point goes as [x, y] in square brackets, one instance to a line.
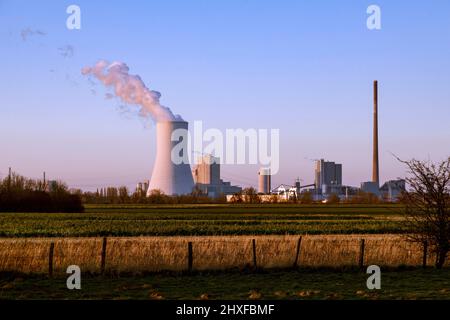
[170, 177]
[172, 173]
[328, 176]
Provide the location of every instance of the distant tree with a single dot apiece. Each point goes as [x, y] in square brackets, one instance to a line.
[197, 192]
[222, 198]
[77, 192]
[251, 195]
[20, 194]
[237, 197]
[273, 198]
[138, 197]
[124, 197]
[427, 205]
[362, 197]
[157, 196]
[306, 197]
[112, 195]
[58, 187]
[333, 199]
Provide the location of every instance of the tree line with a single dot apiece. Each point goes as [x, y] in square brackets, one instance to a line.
[21, 194]
[121, 195]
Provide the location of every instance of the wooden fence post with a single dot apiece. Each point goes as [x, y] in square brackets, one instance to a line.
[103, 261]
[254, 253]
[425, 254]
[50, 259]
[190, 256]
[361, 253]
[297, 252]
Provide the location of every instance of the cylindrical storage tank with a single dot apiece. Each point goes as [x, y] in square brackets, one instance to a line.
[171, 173]
[264, 181]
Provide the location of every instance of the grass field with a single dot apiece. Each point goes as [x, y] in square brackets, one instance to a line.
[143, 239]
[197, 220]
[159, 254]
[305, 284]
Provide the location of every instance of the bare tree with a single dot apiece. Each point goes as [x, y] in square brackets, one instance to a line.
[251, 195]
[306, 198]
[427, 205]
[237, 197]
[333, 199]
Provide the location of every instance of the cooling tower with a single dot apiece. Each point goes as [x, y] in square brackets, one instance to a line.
[168, 176]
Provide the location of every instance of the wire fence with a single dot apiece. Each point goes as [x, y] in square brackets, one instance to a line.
[154, 254]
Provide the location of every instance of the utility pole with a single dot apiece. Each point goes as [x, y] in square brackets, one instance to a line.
[9, 179]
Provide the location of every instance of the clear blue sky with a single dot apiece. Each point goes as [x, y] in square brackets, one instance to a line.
[305, 67]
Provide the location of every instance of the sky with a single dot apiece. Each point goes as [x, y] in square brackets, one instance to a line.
[303, 67]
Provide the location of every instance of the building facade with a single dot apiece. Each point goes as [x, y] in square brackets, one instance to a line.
[207, 179]
[327, 173]
[392, 189]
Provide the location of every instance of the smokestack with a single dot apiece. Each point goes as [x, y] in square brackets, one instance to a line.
[168, 176]
[375, 170]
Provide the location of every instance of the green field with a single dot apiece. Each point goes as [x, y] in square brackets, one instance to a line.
[170, 220]
[198, 220]
[303, 284]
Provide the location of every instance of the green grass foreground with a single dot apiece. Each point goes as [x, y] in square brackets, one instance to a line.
[303, 284]
[226, 219]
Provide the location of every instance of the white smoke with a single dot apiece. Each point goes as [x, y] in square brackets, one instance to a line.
[67, 51]
[131, 89]
[25, 33]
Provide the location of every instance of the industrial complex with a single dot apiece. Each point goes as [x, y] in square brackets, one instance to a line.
[176, 179]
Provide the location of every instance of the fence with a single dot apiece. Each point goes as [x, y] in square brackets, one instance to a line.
[155, 254]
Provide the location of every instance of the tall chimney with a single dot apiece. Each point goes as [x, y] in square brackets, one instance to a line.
[375, 170]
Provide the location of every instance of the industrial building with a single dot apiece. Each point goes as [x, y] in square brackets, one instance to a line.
[141, 188]
[207, 179]
[392, 189]
[287, 192]
[264, 181]
[178, 178]
[328, 175]
[370, 187]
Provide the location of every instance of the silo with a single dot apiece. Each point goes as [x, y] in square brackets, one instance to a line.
[170, 175]
[264, 181]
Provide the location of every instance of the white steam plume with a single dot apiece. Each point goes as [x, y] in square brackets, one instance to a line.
[131, 89]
